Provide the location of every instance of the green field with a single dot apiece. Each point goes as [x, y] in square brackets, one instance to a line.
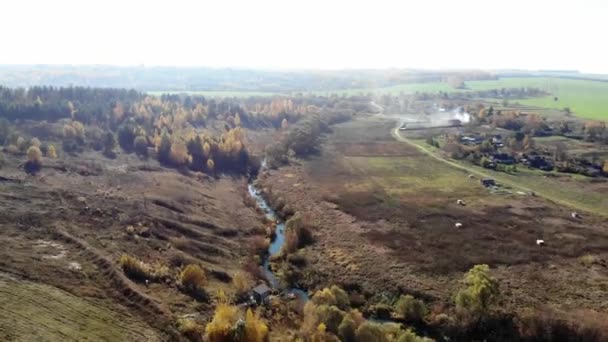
[587, 99]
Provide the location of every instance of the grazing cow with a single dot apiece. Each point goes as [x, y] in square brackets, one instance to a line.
[461, 202]
[458, 225]
[540, 242]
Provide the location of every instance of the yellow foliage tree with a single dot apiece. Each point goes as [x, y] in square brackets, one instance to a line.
[224, 319]
[237, 119]
[51, 152]
[34, 156]
[605, 168]
[179, 153]
[284, 124]
[255, 329]
[206, 149]
[35, 142]
[193, 277]
[210, 164]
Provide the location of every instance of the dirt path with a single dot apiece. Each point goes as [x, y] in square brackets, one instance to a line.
[395, 133]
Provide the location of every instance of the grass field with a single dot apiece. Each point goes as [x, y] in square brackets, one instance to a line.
[571, 190]
[587, 99]
[37, 312]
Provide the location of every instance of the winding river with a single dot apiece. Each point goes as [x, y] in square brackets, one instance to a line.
[275, 245]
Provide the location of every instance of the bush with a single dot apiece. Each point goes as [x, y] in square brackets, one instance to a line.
[347, 329]
[35, 142]
[193, 280]
[227, 325]
[133, 268]
[410, 336]
[370, 332]
[298, 233]
[140, 144]
[109, 144]
[178, 155]
[190, 329]
[12, 149]
[34, 159]
[242, 282]
[480, 292]
[51, 152]
[331, 316]
[332, 296]
[411, 309]
[589, 260]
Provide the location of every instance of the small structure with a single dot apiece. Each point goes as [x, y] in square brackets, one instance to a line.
[575, 215]
[497, 140]
[471, 140]
[488, 182]
[261, 293]
[503, 158]
[540, 242]
[454, 123]
[458, 225]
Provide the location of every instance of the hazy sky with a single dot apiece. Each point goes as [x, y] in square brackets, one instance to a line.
[532, 34]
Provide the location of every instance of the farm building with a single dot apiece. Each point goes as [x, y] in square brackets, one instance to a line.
[471, 140]
[538, 162]
[488, 182]
[497, 140]
[503, 158]
[261, 293]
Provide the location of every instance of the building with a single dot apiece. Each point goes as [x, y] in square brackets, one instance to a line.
[261, 293]
[503, 158]
[488, 182]
[497, 140]
[471, 140]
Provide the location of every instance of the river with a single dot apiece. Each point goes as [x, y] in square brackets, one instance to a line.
[275, 245]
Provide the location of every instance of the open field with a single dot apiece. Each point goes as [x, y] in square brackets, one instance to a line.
[587, 99]
[66, 228]
[212, 93]
[575, 191]
[37, 312]
[375, 198]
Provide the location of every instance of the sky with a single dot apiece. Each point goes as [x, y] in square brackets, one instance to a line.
[309, 34]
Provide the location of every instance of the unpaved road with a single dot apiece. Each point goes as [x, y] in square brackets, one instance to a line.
[395, 133]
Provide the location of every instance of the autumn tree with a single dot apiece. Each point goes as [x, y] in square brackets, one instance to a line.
[411, 309]
[242, 282]
[480, 291]
[228, 325]
[51, 152]
[109, 144]
[140, 145]
[193, 281]
[179, 153]
[34, 159]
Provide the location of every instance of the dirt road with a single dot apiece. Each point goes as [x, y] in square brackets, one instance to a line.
[396, 134]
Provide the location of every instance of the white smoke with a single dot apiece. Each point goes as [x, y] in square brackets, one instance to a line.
[463, 117]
